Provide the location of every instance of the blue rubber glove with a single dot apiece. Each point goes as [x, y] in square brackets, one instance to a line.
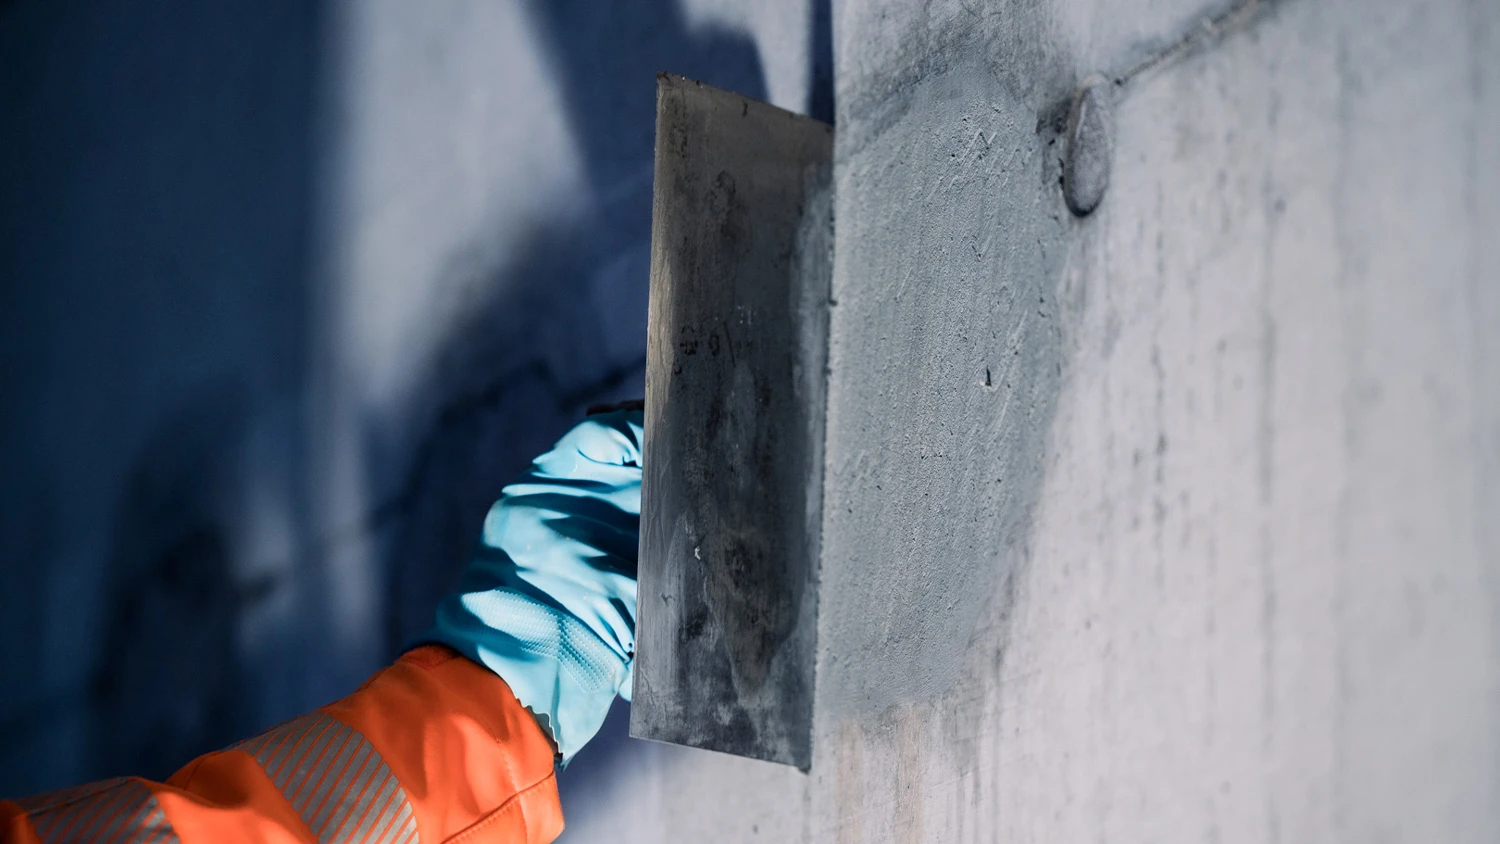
[548, 601]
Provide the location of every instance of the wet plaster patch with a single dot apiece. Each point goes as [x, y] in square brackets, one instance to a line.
[946, 367]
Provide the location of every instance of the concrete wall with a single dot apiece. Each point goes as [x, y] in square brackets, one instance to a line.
[158, 168]
[1173, 523]
[1177, 522]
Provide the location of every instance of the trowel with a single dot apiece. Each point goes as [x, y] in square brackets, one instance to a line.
[737, 348]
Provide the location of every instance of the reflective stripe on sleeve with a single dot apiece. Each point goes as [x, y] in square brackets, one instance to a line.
[117, 811]
[335, 780]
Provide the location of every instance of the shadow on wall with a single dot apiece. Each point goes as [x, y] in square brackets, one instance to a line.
[174, 594]
[158, 162]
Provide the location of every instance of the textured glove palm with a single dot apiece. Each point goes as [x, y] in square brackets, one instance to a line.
[548, 601]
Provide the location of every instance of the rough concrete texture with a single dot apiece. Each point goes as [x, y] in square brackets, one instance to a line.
[736, 375]
[1175, 522]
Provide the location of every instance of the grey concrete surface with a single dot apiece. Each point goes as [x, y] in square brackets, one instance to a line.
[1171, 523]
[736, 380]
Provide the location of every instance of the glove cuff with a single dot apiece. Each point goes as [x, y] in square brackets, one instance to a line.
[554, 664]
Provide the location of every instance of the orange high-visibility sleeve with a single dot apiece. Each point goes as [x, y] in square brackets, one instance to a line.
[433, 749]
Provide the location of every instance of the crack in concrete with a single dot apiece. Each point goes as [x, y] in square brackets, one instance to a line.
[1210, 29]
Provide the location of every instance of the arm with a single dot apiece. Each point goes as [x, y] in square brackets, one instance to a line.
[435, 744]
[455, 742]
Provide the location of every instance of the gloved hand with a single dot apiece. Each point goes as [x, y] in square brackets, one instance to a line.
[548, 600]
